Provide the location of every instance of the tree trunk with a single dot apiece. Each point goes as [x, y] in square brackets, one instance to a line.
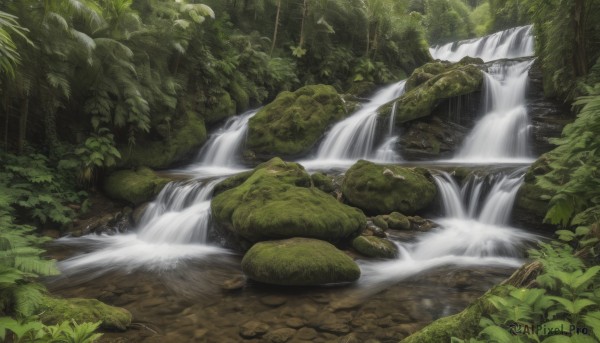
[580, 55]
[276, 27]
[304, 11]
[23, 124]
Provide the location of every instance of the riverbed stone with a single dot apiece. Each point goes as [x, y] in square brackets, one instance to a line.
[277, 201]
[379, 189]
[398, 221]
[273, 300]
[293, 123]
[298, 262]
[376, 247]
[307, 334]
[56, 310]
[134, 186]
[279, 335]
[295, 322]
[380, 222]
[253, 329]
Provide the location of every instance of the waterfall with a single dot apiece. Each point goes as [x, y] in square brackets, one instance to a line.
[355, 136]
[223, 147]
[511, 43]
[473, 230]
[503, 132]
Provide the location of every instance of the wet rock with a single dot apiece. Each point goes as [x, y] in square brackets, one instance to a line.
[380, 222]
[134, 186]
[235, 283]
[56, 310]
[376, 247]
[432, 137]
[295, 322]
[293, 123]
[307, 334]
[253, 329]
[379, 189]
[273, 300]
[280, 335]
[138, 212]
[298, 262]
[398, 221]
[350, 338]
[421, 224]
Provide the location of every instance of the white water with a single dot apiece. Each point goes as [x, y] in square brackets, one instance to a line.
[502, 134]
[468, 235]
[354, 137]
[512, 43]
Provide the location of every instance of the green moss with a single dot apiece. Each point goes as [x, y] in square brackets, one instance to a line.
[55, 310]
[222, 108]
[322, 182]
[298, 262]
[380, 222]
[398, 221]
[462, 325]
[132, 186]
[232, 182]
[372, 246]
[292, 124]
[379, 189]
[188, 133]
[426, 90]
[277, 201]
[240, 96]
[361, 89]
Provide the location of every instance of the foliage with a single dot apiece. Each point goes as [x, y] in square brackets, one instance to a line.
[35, 331]
[573, 176]
[568, 299]
[447, 21]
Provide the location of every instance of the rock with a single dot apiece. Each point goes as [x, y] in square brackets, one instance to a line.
[298, 262]
[421, 224]
[273, 300]
[380, 222]
[372, 246]
[279, 336]
[253, 329]
[138, 212]
[295, 322]
[235, 283]
[276, 201]
[532, 201]
[434, 137]
[322, 182]
[398, 221]
[55, 311]
[187, 133]
[307, 334]
[134, 187]
[293, 123]
[367, 187]
[425, 90]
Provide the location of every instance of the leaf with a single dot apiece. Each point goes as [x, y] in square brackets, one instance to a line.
[497, 334]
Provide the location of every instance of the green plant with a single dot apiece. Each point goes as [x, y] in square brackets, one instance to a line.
[98, 151]
[35, 331]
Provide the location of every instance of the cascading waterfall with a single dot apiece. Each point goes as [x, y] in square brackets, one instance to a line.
[355, 136]
[468, 235]
[503, 132]
[511, 43]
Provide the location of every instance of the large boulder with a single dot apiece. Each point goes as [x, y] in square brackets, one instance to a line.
[425, 90]
[379, 189]
[299, 262]
[134, 186]
[293, 123]
[56, 310]
[277, 201]
[179, 141]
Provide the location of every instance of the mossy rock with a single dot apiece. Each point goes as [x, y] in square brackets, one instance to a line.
[380, 222]
[376, 247]
[428, 90]
[298, 262]
[277, 201]
[323, 182]
[222, 108]
[187, 135]
[55, 310]
[398, 221]
[379, 189]
[134, 186]
[361, 88]
[293, 123]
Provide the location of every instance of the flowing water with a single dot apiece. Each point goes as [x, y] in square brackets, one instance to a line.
[512, 43]
[171, 278]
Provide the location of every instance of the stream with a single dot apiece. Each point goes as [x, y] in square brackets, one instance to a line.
[181, 285]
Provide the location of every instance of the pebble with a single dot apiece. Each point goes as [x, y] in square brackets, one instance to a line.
[253, 329]
[280, 335]
[273, 300]
[295, 322]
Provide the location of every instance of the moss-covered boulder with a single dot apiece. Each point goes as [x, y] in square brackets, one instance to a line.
[185, 136]
[134, 186]
[379, 189]
[398, 221]
[323, 182]
[298, 262]
[277, 201]
[380, 222]
[220, 108]
[532, 201]
[426, 90]
[293, 123]
[376, 247]
[55, 310]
